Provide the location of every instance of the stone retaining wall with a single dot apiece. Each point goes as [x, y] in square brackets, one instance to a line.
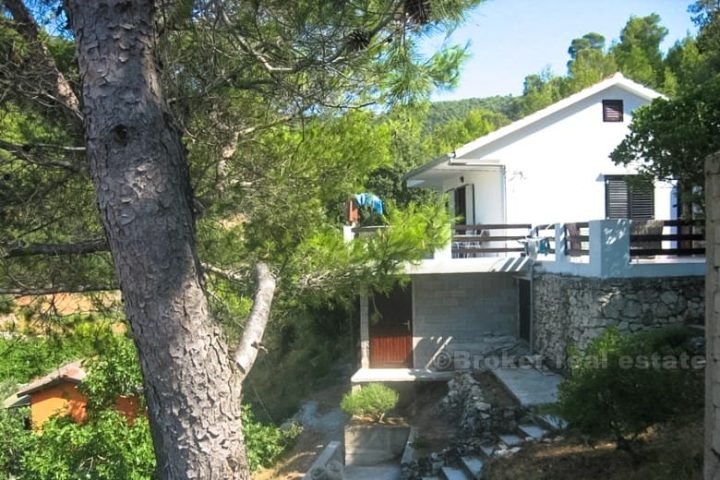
[573, 310]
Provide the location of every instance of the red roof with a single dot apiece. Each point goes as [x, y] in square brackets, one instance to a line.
[71, 372]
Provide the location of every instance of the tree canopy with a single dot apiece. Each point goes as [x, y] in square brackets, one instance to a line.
[172, 149]
[671, 138]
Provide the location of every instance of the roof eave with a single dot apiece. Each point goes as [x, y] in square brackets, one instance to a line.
[616, 80]
[427, 166]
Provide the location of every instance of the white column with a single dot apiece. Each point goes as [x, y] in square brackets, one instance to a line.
[610, 247]
[364, 331]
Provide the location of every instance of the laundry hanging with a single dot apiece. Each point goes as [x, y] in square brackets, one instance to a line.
[370, 200]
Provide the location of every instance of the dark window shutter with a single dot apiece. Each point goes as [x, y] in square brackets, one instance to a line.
[635, 201]
[612, 110]
[616, 198]
[642, 202]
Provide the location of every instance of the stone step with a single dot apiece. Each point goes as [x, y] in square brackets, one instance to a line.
[487, 451]
[533, 431]
[473, 466]
[511, 440]
[553, 422]
[450, 473]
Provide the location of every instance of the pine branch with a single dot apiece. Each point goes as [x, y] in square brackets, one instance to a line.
[250, 344]
[78, 248]
[61, 91]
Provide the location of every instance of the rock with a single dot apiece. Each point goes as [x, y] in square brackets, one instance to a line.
[669, 297]
[633, 309]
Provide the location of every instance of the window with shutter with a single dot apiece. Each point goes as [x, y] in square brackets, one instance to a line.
[612, 110]
[625, 199]
[616, 198]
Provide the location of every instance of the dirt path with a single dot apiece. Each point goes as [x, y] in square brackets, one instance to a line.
[322, 422]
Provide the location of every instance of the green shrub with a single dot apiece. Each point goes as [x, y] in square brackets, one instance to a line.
[623, 384]
[264, 443]
[14, 439]
[373, 400]
[106, 448]
[114, 372]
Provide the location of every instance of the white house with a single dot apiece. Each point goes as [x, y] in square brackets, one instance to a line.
[551, 168]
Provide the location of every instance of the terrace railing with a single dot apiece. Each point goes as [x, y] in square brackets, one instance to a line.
[489, 239]
[667, 237]
[577, 239]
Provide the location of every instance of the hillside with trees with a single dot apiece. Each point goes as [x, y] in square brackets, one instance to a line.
[204, 173]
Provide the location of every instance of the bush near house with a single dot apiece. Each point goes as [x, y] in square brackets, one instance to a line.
[264, 442]
[373, 401]
[624, 383]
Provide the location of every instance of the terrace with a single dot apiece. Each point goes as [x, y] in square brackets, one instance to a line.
[599, 248]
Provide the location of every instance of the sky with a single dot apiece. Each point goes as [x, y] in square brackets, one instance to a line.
[510, 39]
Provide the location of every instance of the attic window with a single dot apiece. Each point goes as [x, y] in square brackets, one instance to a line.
[612, 110]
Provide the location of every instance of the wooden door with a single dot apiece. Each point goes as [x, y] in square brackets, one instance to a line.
[391, 329]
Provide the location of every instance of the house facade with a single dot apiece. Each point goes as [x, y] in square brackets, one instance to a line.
[58, 394]
[539, 199]
[551, 166]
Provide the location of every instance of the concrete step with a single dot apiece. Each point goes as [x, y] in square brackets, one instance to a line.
[473, 466]
[511, 440]
[553, 422]
[533, 431]
[529, 386]
[487, 451]
[450, 473]
[375, 472]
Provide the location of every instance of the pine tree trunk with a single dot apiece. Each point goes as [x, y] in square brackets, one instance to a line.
[712, 318]
[141, 177]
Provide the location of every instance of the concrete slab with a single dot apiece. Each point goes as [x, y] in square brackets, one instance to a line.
[469, 265]
[510, 440]
[473, 466]
[533, 431]
[367, 375]
[450, 473]
[529, 386]
[488, 451]
[376, 472]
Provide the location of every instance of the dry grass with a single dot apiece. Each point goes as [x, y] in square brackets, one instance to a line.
[667, 452]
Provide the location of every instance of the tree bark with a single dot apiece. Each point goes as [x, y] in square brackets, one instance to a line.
[712, 318]
[140, 171]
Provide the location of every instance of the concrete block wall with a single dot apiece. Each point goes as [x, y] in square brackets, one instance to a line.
[472, 312]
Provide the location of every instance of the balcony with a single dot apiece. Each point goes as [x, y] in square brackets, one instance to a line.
[599, 248]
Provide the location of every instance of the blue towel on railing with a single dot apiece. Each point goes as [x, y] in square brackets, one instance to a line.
[370, 200]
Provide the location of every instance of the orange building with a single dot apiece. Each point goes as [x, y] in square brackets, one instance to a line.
[57, 393]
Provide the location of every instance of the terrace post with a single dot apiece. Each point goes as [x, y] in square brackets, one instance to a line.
[348, 233]
[561, 254]
[364, 330]
[610, 247]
